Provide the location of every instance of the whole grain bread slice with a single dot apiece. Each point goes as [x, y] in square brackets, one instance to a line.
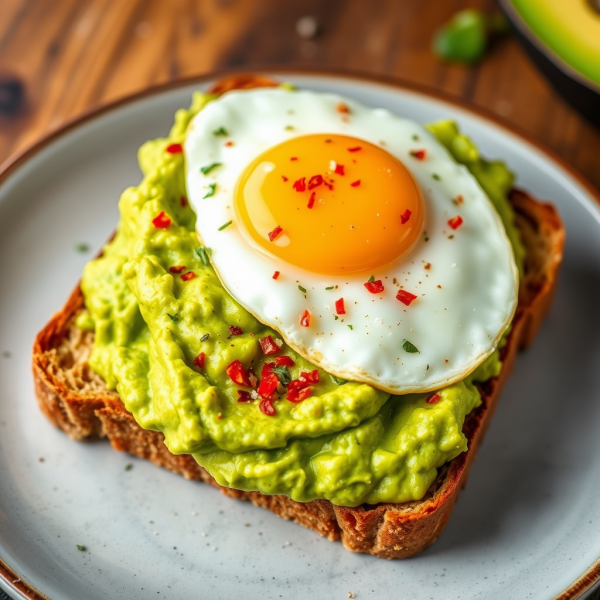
[76, 400]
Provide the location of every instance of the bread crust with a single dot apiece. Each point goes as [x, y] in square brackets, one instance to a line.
[76, 400]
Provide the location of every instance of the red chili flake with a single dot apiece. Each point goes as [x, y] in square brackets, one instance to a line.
[311, 377]
[298, 395]
[284, 361]
[375, 287]
[300, 184]
[199, 360]
[189, 275]
[315, 181]
[455, 222]
[238, 374]
[355, 183]
[228, 144]
[405, 216]
[233, 330]
[244, 396]
[405, 297]
[161, 221]
[433, 398]
[427, 266]
[355, 149]
[342, 108]
[268, 381]
[419, 154]
[273, 234]
[268, 345]
[174, 149]
[266, 407]
[339, 169]
[339, 307]
[184, 201]
[459, 199]
[294, 158]
[178, 269]
[276, 274]
[311, 200]
[305, 318]
[284, 178]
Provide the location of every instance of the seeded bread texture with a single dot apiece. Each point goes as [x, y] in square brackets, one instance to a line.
[75, 399]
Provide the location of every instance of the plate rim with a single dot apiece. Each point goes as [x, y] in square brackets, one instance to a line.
[14, 162]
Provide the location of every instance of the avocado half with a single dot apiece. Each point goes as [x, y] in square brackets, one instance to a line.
[563, 39]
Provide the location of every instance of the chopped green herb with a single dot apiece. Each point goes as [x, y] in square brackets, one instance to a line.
[371, 279]
[338, 380]
[451, 236]
[82, 248]
[220, 131]
[289, 128]
[173, 318]
[211, 190]
[128, 467]
[335, 317]
[350, 327]
[415, 137]
[427, 369]
[203, 253]
[331, 287]
[436, 176]
[225, 225]
[205, 337]
[302, 289]
[208, 168]
[283, 374]
[81, 548]
[410, 348]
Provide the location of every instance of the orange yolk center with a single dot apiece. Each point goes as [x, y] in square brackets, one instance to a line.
[330, 204]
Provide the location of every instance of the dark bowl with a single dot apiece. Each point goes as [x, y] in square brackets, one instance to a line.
[582, 93]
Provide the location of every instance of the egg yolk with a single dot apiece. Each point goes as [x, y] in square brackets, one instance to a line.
[330, 204]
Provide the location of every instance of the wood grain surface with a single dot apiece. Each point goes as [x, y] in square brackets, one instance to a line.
[59, 58]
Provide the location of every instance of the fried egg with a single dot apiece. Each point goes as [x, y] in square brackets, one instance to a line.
[353, 233]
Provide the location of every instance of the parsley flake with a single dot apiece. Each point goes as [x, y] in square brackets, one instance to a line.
[283, 374]
[211, 190]
[205, 337]
[173, 318]
[208, 168]
[435, 176]
[338, 380]
[289, 128]
[415, 137]
[302, 289]
[128, 467]
[81, 548]
[225, 225]
[410, 348]
[221, 131]
[82, 248]
[331, 287]
[371, 279]
[350, 327]
[203, 253]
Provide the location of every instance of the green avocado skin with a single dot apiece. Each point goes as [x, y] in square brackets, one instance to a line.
[348, 443]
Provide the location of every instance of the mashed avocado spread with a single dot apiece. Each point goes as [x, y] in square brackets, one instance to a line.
[348, 442]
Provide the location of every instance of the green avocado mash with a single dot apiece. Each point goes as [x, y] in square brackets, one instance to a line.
[347, 442]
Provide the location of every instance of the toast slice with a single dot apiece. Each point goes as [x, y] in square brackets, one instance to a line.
[75, 399]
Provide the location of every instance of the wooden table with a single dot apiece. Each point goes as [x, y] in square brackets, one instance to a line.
[72, 55]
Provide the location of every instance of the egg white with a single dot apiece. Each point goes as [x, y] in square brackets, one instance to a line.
[466, 299]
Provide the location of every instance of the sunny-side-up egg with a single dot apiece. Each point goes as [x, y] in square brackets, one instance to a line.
[353, 233]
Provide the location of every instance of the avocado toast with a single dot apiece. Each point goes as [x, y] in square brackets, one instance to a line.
[80, 403]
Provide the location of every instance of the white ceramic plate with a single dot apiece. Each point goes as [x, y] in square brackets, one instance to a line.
[527, 526]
